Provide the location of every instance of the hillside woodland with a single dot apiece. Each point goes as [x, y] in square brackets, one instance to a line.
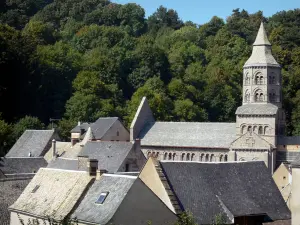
[77, 60]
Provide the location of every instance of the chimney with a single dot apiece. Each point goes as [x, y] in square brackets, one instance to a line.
[99, 173]
[79, 123]
[92, 166]
[53, 148]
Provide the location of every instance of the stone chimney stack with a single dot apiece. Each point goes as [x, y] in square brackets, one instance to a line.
[53, 148]
[92, 166]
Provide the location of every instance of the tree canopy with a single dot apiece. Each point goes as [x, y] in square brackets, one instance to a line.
[78, 60]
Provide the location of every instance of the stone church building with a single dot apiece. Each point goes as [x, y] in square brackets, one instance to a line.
[257, 135]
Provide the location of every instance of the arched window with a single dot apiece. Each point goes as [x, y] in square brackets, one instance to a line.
[250, 129]
[188, 157]
[212, 158]
[273, 80]
[193, 157]
[255, 129]
[266, 130]
[226, 158]
[165, 156]
[202, 158]
[243, 129]
[270, 79]
[261, 80]
[207, 158]
[247, 79]
[157, 154]
[148, 154]
[260, 130]
[182, 156]
[174, 156]
[257, 79]
[261, 97]
[170, 156]
[247, 96]
[221, 158]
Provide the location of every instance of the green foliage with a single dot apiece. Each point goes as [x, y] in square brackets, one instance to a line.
[81, 59]
[186, 218]
[28, 122]
[5, 137]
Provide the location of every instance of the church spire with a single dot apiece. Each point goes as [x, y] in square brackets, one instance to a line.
[261, 38]
[262, 52]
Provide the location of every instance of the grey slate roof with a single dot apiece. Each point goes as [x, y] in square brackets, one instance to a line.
[257, 109]
[63, 190]
[64, 164]
[21, 165]
[78, 128]
[10, 190]
[34, 141]
[102, 125]
[262, 52]
[240, 188]
[296, 162]
[188, 134]
[110, 154]
[116, 185]
[288, 140]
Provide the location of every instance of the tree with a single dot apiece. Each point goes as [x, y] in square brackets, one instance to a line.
[5, 137]
[26, 123]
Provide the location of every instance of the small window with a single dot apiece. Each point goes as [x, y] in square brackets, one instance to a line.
[102, 198]
[284, 177]
[118, 133]
[35, 188]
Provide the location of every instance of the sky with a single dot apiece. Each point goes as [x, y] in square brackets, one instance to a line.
[199, 11]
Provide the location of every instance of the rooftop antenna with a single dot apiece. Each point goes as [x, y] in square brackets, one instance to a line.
[52, 120]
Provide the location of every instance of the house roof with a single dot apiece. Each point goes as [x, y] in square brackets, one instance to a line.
[34, 141]
[78, 128]
[257, 109]
[64, 164]
[237, 189]
[116, 185]
[102, 125]
[261, 38]
[21, 165]
[10, 190]
[292, 140]
[188, 134]
[57, 194]
[110, 154]
[296, 162]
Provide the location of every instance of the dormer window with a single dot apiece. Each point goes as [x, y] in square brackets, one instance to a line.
[102, 198]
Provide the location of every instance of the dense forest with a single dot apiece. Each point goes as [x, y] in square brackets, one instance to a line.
[77, 60]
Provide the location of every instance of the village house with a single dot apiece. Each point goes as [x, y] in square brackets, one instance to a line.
[295, 197]
[238, 192]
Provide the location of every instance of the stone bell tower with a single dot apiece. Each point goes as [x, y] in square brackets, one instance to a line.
[261, 117]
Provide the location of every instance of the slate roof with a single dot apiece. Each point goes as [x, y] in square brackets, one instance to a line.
[10, 190]
[64, 164]
[236, 189]
[21, 165]
[61, 148]
[63, 188]
[78, 128]
[262, 52]
[291, 140]
[296, 162]
[116, 185]
[257, 109]
[34, 141]
[188, 134]
[110, 154]
[102, 125]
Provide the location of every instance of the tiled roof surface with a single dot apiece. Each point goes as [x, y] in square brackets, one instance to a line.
[242, 188]
[110, 154]
[64, 164]
[10, 190]
[57, 194]
[102, 125]
[78, 128]
[34, 141]
[116, 185]
[257, 109]
[21, 165]
[291, 140]
[188, 134]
